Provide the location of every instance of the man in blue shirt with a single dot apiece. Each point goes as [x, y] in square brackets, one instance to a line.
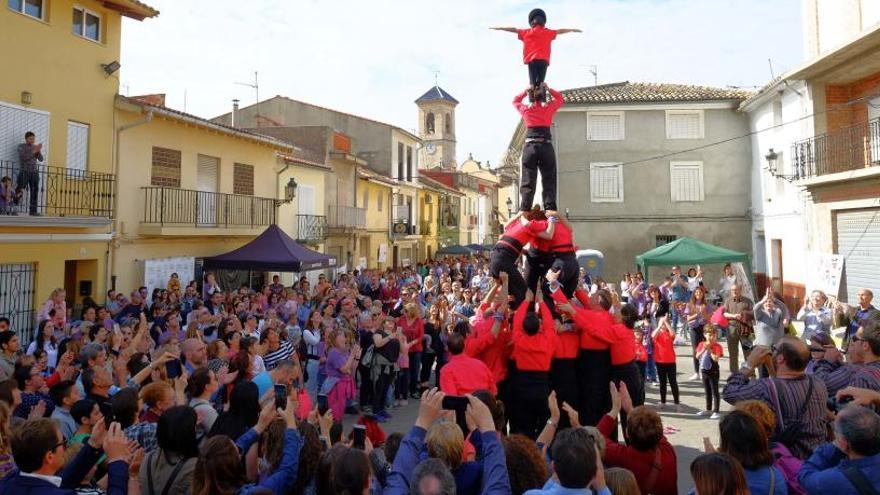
[854, 315]
[850, 465]
[576, 465]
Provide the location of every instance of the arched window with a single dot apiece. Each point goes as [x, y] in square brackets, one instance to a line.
[447, 124]
[429, 123]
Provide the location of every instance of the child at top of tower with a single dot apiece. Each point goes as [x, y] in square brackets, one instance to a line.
[536, 45]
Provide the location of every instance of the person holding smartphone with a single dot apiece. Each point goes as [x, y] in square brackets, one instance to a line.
[339, 386]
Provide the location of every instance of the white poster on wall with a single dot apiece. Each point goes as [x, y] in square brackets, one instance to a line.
[383, 253]
[824, 273]
[158, 271]
[362, 263]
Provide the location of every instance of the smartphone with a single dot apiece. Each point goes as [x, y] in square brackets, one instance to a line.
[359, 437]
[280, 395]
[173, 369]
[455, 403]
[323, 406]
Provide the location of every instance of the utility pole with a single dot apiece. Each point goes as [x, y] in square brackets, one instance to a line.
[256, 86]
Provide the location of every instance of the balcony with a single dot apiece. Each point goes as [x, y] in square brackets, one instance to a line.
[311, 228]
[401, 227]
[61, 197]
[426, 228]
[173, 211]
[848, 149]
[346, 217]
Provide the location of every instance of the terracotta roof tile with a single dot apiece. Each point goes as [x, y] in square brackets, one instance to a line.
[627, 92]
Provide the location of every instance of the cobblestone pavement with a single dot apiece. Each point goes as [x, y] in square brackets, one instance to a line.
[689, 428]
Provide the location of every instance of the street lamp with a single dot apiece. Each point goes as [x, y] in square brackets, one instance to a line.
[772, 158]
[290, 190]
[509, 204]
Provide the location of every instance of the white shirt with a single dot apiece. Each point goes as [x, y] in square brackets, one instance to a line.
[55, 480]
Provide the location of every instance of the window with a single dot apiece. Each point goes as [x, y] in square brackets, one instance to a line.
[409, 163]
[605, 126]
[87, 24]
[429, 123]
[166, 167]
[684, 124]
[243, 179]
[17, 288]
[77, 146]
[606, 182]
[400, 161]
[33, 8]
[686, 181]
[664, 239]
[379, 200]
[447, 124]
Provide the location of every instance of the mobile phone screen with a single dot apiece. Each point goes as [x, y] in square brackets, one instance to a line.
[455, 403]
[323, 405]
[359, 437]
[172, 368]
[280, 395]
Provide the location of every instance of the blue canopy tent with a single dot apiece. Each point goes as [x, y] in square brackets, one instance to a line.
[271, 251]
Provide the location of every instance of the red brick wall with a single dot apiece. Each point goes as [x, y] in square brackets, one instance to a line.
[166, 167]
[839, 95]
[341, 142]
[243, 179]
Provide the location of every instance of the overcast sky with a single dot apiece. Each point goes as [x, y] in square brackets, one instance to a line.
[375, 57]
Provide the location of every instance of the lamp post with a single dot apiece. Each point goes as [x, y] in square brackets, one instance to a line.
[290, 190]
[509, 205]
[772, 158]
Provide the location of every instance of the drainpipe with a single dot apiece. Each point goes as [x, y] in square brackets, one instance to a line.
[278, 188]
[111, 260]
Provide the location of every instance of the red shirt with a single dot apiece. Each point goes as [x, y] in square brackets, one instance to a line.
[568, 344]
[533, 352]
[641, 462]
[522, 234]
[493, 351]
[641, 352]
[595, 325]
[413, 331]
[537, 114]
[623, 348]
[536, 43]
[664, 348]
[465, 375]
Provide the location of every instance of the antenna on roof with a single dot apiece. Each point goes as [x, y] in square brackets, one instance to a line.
[770, 63]
[594, 70]
[256, 86]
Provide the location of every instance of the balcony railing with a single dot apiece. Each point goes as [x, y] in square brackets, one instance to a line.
[311, 228]
[843, 150]
[426, 228]
[184, 207]
[58, 192]
[347, 217]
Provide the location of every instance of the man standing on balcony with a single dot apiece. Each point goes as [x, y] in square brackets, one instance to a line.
[29, 175]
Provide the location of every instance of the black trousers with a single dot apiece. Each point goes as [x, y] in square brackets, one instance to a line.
[537, 264]
[666, 372]
[564, 381]
[30, 179]
[594, 370]
[504, 260]
[380, 393]
[696, 335]
[530, 412]
[568, 265]
[710, 385]
[537, 72]
[629, 374]
[428, 359]
[538, 156]
[365, 391]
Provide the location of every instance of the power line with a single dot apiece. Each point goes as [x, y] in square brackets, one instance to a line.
[743, 136]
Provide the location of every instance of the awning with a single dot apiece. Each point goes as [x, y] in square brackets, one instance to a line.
[273, 250]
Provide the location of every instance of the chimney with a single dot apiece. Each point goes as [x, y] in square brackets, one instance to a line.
[234, 111]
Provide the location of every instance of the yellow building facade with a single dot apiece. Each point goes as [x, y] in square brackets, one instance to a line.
[62, 61]
[374, 195]
[197, 189]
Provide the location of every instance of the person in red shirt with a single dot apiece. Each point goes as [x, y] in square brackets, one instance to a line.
[536, 44]
[708, 354]
[593, 366]
[520, 230]
[623, 353]
[413, 327]
[538, 153]
[664, 356]
[463, 374]
[534, 340]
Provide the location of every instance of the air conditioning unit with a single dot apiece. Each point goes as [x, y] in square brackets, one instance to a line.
[429, 199]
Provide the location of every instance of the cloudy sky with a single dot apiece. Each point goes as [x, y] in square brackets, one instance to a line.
[375, 57]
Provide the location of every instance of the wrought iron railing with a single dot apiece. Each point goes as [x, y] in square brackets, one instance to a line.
[843, 150]
[57, 192]
[17, 287]
[346, 217]
[311, 228]
[173, 206]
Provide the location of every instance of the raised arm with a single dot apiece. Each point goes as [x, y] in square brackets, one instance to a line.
[568, 30]
[551, 228]
[508, 29]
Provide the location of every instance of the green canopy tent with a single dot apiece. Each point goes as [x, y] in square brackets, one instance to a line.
[456, 250]
[689, 251]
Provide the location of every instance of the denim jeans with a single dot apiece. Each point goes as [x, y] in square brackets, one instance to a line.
[312, 384]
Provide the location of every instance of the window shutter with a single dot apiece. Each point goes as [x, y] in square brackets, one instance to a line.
[77, 146]
[684, 125]
[686, 179]
[605, 126]
[606, 182]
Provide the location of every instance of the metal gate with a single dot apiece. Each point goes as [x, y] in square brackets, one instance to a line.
[17, 283]
[857, 239]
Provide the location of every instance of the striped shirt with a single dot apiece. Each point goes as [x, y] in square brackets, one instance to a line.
[272, 358]
[837, 377]
[792, 394]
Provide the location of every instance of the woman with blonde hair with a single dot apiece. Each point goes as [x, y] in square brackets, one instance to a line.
[621, 481]
[718, 474]
[698, 313]
[7, 463]
[57, 302]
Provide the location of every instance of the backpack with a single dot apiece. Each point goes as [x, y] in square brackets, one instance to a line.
[789, 465]
[788, 434]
